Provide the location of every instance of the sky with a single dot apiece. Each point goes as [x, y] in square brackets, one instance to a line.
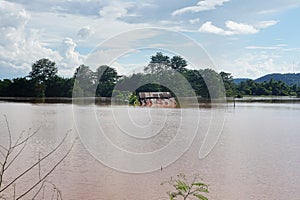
[245, 38]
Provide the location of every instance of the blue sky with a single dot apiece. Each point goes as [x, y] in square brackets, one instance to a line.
[245, 38]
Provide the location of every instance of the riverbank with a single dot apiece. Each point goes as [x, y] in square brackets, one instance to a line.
[108, 100]
[266, 99]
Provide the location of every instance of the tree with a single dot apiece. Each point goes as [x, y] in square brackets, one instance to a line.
[43, 70]
[85, 82]
[22, 87]
[4, 87]
[213, 82]
[195, 79]
[178, 64]
[59, 87]
[228, 83]
[107, 78]
[160, 58]
[158, 64]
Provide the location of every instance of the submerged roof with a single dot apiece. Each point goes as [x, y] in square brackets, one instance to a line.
[154, 95]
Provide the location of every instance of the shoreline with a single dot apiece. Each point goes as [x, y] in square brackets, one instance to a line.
[108, 100]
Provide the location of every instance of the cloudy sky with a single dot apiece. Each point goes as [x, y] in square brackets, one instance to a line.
[246, 38]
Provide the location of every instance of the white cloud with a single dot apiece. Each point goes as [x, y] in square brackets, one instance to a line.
[203, 5]
[266, 24]
[208, 27]
[263, 47]
[235, 28]
[115, 10]
[111, 12]
[19, 47]
[194, 21]
[273, 47]
[255, 64]
[70, 58]
[239, 28]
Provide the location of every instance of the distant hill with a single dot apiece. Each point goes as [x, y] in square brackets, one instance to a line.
[239, 80]
[289, 79]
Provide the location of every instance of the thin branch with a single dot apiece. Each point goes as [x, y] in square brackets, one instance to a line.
[58, 193]
[39, 165]
[6, 149]
[14, 186]
[26, 139]
[35, 164]
[3, 168]
[43, 193]
[20, 137]
[53, 193]
[2, 153]
[9, 132]
[49, 172]
[16, 156]
[39, 190]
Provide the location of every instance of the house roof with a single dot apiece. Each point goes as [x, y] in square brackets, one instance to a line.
[154, 95]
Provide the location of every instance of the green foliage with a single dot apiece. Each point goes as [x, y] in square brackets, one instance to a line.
[160, 63]
[178, 64]
[43, 70]
[107, 78]
[84, 83]
[272, 87]
[59, 87]
[184, 189]
[162, 74]
[133, 100]
[229, 85]
[4, 85]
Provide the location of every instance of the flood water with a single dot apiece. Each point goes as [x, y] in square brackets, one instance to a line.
[256, 155]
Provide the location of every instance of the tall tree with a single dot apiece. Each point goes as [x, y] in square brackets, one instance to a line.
[160, 58]
[85, 82]
[107, 79]
[43, 70]
[178, 63]
[228, 83]
[158, 64]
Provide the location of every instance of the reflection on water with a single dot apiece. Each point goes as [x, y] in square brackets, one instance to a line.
[256, 157]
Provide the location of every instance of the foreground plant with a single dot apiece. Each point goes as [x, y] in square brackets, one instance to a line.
[183, 189]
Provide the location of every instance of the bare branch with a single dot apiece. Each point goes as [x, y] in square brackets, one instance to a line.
[2, 170]
[26, 139]
[20, 137]
[53, 193]
[49, 172]
[35, 164]
[5, 149]
[16, 156]
[14, 196]
[39, 190]
[40, 165]
[1, 152]
[58, 193]
[9, 132]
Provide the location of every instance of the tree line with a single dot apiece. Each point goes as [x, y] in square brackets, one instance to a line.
[161, 74]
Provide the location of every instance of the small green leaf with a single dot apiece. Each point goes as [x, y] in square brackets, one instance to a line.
[199, 184]
[201, 197]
